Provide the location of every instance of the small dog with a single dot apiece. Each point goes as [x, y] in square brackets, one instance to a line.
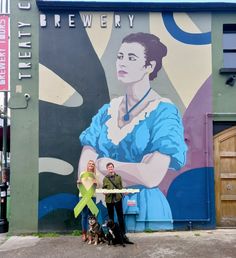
[115, 236]
[95, 232]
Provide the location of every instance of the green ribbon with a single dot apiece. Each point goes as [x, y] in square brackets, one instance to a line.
[86, 197]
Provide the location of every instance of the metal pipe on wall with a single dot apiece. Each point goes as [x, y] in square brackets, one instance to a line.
[4, 140]
[4, 224]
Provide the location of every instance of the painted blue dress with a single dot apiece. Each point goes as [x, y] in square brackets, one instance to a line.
[158, 128]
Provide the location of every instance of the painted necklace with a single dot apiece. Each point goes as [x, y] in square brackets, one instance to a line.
[126, 116]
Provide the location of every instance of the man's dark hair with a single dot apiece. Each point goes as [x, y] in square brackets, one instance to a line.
[109, 163]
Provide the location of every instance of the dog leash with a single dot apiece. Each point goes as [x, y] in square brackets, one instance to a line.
[86, 197]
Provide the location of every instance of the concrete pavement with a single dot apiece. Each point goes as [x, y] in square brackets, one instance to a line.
[220, 243]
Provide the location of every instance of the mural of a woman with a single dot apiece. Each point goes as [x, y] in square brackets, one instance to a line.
[141, 133]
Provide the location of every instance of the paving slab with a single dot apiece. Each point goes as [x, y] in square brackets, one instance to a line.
[17, 242]
[178, 244]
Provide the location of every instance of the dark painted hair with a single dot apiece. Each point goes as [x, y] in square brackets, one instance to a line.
[154, 49]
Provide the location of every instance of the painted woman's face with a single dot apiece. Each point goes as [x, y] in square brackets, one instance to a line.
[130, 63]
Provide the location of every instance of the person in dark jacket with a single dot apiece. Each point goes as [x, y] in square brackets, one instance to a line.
[114, 201]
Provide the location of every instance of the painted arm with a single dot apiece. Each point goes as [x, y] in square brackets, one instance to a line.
[149, 172]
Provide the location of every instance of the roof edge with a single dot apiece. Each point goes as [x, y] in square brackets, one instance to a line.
[136, 7]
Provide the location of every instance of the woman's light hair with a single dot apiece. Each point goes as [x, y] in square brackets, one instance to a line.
[94, 168]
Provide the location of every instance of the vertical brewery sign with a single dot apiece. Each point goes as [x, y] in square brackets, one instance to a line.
[4, 45]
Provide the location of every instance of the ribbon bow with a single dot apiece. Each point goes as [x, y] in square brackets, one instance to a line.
[86, 197]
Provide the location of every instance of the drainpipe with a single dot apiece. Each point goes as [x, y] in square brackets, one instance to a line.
[4, 224]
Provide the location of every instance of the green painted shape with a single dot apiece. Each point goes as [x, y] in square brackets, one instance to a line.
[86, 197]
[24, 123]
[223, 95]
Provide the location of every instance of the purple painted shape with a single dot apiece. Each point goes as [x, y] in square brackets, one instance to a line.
[198, 134]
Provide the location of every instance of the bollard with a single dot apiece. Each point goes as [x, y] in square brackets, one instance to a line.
[4, 224]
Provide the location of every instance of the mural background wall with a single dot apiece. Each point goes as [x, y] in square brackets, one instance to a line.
[77, 76]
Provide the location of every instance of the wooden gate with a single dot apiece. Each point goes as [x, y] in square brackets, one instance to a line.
[225, 177]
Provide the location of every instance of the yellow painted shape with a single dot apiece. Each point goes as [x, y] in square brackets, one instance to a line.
[186, 24]
[99, 36]
[53, 89]
[187, 66]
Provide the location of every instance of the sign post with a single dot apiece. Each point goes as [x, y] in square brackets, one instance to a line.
[4, 87]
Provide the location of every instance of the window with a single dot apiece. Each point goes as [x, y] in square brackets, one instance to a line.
[229, 48]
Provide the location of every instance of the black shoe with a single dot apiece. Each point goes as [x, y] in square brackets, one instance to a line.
[126, 240]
